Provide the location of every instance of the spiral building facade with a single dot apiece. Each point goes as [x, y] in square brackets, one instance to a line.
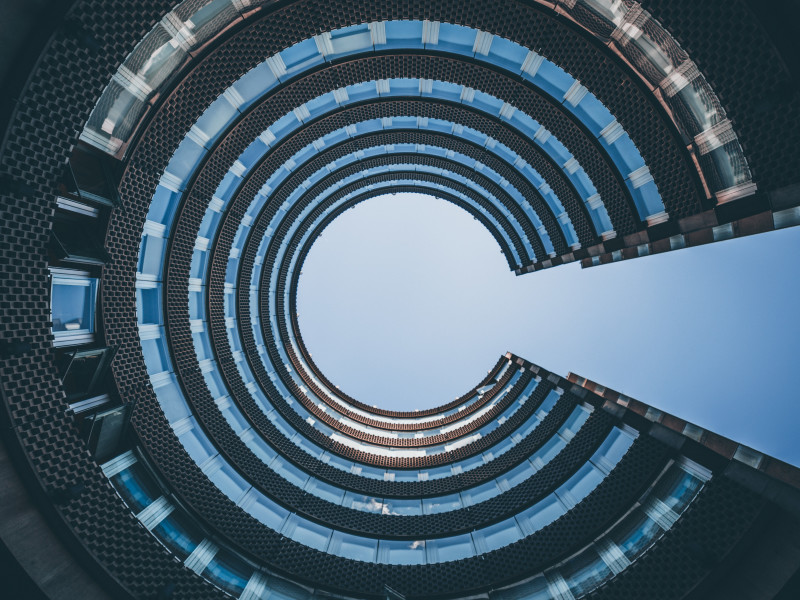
[165, 171]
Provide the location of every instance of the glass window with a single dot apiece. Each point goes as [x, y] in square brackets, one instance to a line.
[677, 489]
[585, 572]
[451, 548]
[497, 535]
[353, 547]
[72, 302]
[582, 483]
[635, 534]
[324, 490]
[541, 514]
[228, 481]
[440, 504]
[614, 447]
[229, 572]
[403, 506]
[267, 512]
[516, 475]
[178, 533]
[402, 552]
[148, 307]
[365, 503]
[197, 444]
[306, 532]
[480, 493]
[136, 487]
[155, 355]
[171, 399]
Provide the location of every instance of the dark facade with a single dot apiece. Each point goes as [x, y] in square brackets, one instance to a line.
[165, 170]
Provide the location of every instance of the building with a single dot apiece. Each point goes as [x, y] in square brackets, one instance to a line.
[164, 171]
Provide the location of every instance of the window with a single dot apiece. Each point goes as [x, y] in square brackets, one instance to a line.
[73, 296]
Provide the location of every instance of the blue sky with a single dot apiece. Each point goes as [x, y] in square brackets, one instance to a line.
[405, 302]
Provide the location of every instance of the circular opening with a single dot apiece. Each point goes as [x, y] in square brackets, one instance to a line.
[396, 303]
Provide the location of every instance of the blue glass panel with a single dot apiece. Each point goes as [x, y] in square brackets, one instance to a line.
[349, 40]
[236, 420]
[505, 53]
[487, 103]
[551, 449]
[403, 87]
[635, 534]
[148, 306]
[446, 91]
[228, 481]
[136, 487]
[361, 91]
[197, 444]
[647, 199]
[178, 533]
[254, 84]
[151, 253]
[614, 446]
[198, 265]
[406, 475]
[289, 472]
[215, 383]
[585, 572]
[496, 536]
[574, 421]
[215, 120]
[441, 504]
[307, 533]
[325, 491]
[480, 493]
[404, 506]
[252, 153]
[261, 449]
[268, 512]
[540, 515]
[321, 104]
[451, 548]
[677, 489]
[552, 79]
[624, 154]
[228, 186]
[155, 356]
[301, 56]
[594, 115]
[364, 503]
[400, 552]
[353, 547]
[171, 400]
[403, 34]
[228, 571]
[284, 126]
[583, 482]
[455, 38]
[163, 205]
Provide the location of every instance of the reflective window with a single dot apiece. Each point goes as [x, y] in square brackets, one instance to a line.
[73, 297]
[136, 487]
[635, 534]
[451, 548]
[307, 533]
[497, 535]
[178, 533]
[585, 572]
[401, 552]
[228, 571]
[353, 547]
